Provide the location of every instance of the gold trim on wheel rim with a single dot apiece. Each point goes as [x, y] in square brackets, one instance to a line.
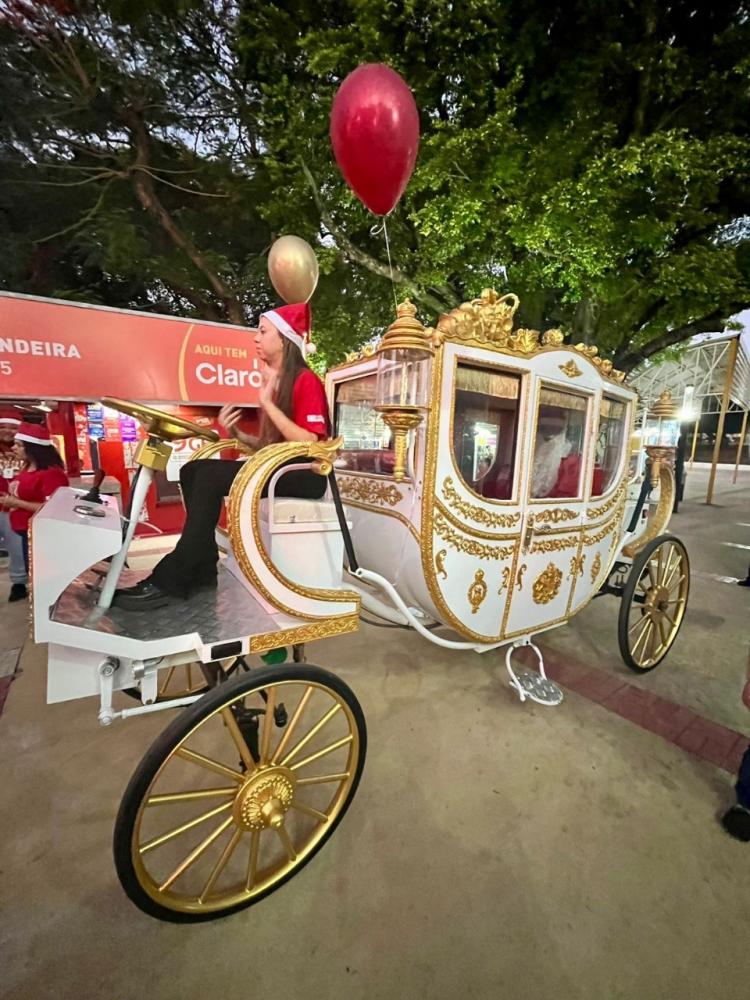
[658, 604]
[226, 816]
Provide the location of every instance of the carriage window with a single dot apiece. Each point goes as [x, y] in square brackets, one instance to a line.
[609, 441]
[485, 423]
[558, 445]
[367, 440]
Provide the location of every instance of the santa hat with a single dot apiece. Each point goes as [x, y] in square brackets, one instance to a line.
[9, 422]
[293, 322]
[33, 433]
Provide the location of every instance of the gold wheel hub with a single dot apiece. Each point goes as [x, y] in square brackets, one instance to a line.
[657, 601]
[264, 799]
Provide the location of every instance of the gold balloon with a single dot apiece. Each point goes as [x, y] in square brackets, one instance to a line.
[293, 269]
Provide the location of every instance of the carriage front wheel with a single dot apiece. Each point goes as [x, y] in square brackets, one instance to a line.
[239, 792]
[653, 603]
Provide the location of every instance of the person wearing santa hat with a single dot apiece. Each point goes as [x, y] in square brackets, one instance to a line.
[42, 472]
[294, 408]
[10, 466]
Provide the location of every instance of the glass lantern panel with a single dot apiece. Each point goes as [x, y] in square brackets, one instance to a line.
[403, 378]
[368, 444]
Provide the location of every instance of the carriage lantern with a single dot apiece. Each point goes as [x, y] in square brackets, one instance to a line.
[403, 384]
[662, 433]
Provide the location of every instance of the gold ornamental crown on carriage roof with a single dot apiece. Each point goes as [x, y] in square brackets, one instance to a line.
[488, 322]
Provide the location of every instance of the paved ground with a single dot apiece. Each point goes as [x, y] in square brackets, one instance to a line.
[493, 850]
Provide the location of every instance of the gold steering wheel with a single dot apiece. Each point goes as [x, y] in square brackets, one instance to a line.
[159, 424]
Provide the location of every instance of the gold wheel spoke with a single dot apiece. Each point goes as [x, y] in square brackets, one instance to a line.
[291, 725]
[220, 865]
[677, 583]
[268, 722]
[167, 798]
[670, 620]
[212, 765]
[652, 576]
[646, 628]
[309, 811]
[637, 622]
[313, 732]
[663, 634]
[652, 644]
[184, 827]
[170, 674]
[287, 842]
[194, 855]
[323, 778]
[252, 861]
[239, 741]
[659, 561]
[672, 568]
[321, 753]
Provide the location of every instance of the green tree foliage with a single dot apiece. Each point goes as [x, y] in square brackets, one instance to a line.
[592, 157]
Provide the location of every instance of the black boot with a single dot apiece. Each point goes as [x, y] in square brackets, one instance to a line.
[143, 596]
[18, 592]
[736, 821]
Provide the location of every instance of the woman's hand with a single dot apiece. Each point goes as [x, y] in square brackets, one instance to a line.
[8, 500]
[229, 418]
[269, 380]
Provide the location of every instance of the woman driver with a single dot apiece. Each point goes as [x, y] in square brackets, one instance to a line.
[294, 408]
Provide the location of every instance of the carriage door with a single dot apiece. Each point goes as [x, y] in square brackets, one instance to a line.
[557, 455]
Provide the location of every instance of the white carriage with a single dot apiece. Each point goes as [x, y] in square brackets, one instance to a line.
[440, 516]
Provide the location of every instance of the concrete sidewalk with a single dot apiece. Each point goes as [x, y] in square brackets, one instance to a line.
[493, 850]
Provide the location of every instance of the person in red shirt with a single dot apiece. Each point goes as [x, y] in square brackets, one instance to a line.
[10, 466]
[42, 473]
[294, 408]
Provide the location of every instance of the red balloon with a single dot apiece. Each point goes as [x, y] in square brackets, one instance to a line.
[375, 135]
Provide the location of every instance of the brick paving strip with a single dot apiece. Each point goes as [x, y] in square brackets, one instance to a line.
[700, 737]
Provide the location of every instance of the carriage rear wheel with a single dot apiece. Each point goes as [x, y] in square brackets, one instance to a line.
[235, 796]
[653, 603]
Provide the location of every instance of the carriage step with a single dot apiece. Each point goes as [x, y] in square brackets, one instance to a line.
[536, 687]
[534, 684]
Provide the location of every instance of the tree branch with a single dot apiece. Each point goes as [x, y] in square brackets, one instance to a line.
[144, 188]
[352, 252]
[713, 323]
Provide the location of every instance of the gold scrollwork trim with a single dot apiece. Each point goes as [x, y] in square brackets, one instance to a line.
[605, 530]
[469, 529]
[368, 490]
[489, 518]
[596, 565]
[593, 512]
[469, 545]
[659, 518]
[477, 591]
[440, 563]
[554, 544]
[547, 585]
[554, 515]
[507, 572]
[570, 368]
[576, 566]
[304, 633]
[519, 575]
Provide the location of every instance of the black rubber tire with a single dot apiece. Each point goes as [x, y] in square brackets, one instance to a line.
[168, 740]
[639, 564]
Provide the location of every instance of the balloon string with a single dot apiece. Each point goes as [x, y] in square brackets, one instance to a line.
[376, 231]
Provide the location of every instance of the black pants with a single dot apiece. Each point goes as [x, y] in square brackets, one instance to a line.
[205, 483]
[743, 781]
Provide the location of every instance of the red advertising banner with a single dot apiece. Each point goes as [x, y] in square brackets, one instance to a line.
[53, 349]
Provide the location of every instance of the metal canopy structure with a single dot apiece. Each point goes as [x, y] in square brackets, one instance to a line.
[711, 377]
[704, 366]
